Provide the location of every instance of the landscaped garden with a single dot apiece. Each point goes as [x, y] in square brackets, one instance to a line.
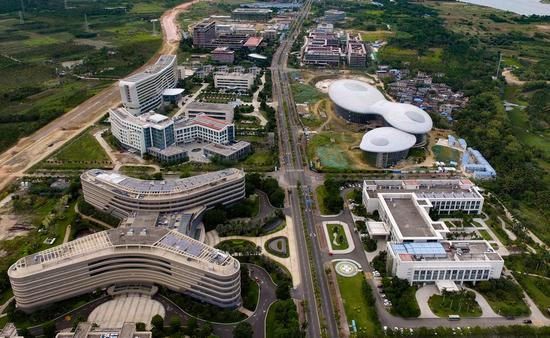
[462, 303]
[337, 236]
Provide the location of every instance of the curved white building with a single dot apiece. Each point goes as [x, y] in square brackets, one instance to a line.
[123, 196]
[358, 102]
[148, 256]
[142, 92]
[386, 146]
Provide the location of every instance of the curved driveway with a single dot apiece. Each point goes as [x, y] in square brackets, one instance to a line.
[257, 320]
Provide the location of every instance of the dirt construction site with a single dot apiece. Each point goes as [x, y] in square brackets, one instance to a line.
[30, 150]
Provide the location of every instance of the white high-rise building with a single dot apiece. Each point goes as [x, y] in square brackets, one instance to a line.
[142, 92]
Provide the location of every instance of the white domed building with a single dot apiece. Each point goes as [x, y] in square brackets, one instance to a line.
[358, 102]
[386, 146]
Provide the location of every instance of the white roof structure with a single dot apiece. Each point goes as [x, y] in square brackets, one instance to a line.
[404, 116]
[172, 91]
[360, 97]
[353, 95]
[387, 140]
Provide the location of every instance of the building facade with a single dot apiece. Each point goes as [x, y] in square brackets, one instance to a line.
[418, 249]
[146, 255]
[203, 34]
[223, 55]
[218, 111]
[234, 81]
[142, 92]
[123, 196]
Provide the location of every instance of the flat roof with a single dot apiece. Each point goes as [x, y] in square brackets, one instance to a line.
[183, 247]
[456, 251]
[172, 91]
[377, 229]
[162, 63]
[386, 140]
[253, 41]
[206, 106]
[428, 189]
[122, 184]
[227, 149]
[407, 217]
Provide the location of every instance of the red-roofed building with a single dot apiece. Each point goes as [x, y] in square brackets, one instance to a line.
[253, 42]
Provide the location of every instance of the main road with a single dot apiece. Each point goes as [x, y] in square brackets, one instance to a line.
[32, 149]
[319, 311]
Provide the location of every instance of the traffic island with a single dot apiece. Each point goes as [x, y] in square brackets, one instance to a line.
[278, 246]
[338, 237]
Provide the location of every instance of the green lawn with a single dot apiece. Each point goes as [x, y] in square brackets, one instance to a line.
[136, 171]
[538, 289]
[304, 93]
[356, 304]
[445, 154]
[497, 229]
[462, 304]
[261, 158]
[83, 152]
[337, 231]
[486, 236]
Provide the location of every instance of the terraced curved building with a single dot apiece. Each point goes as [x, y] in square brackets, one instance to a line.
[123, 196]
[136, 255]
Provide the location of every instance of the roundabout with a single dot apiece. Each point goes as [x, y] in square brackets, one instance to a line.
[346, 268]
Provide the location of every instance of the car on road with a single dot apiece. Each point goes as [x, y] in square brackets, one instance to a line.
[527, 321]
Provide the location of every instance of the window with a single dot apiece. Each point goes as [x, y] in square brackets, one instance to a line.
[485, 274]
[460, 274]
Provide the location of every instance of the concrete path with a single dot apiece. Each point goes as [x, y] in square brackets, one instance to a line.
[126, 308]
[256, 104]
[106, 146]
[422, 296]
[108, 226]
[510, 234]
[67, 234]
[486, 309]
